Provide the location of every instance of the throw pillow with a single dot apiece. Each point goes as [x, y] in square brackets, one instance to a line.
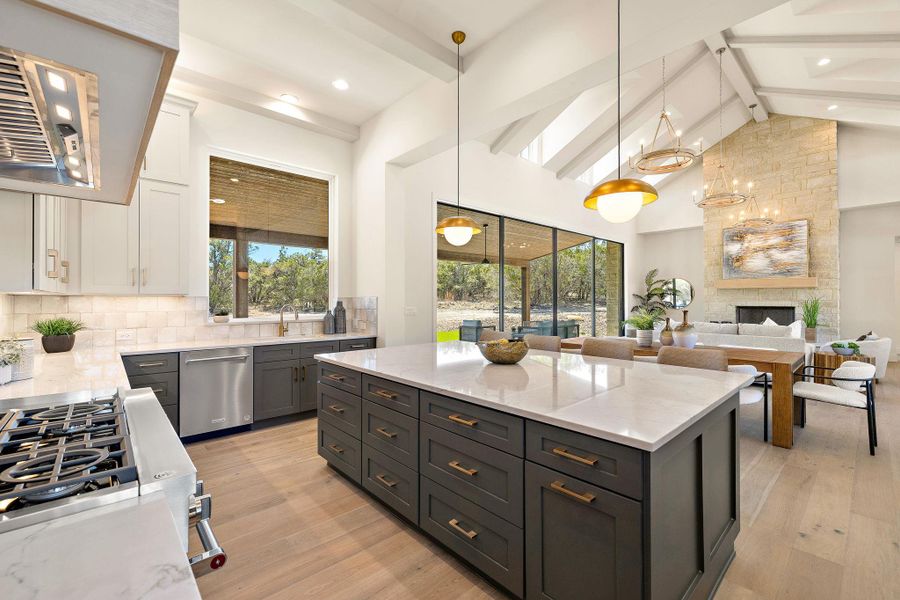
[768, 321]
[867, 336]
[796, 329]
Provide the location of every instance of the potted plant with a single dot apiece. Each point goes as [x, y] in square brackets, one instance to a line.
[809, 313]
[221, 315]
[57, 335]
[643, 320]
[656, 295]
[845, 349]
[10, 354]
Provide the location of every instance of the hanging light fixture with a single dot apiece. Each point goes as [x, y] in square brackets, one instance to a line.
[719, 194]
[620, 200]
[485, 260]
[664, 160]
[753, 216]
[457, 230]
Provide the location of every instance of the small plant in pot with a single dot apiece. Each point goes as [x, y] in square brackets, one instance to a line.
[848, 349]
[221, 315]
[57, 335]
[643, 320]
[10, 354]
[809, 313]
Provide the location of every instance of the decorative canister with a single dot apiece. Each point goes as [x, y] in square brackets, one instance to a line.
[25, 367]
[329, 322]
[340, 318]
[684, 335]
[665, 336]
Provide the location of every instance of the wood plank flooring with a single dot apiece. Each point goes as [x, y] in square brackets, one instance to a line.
[820, 521]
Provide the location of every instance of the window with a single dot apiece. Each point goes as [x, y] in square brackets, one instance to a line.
[534, 151]
[268, 240]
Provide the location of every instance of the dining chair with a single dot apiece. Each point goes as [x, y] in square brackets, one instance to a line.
[754, 391]
[488, 335]
[608, 348]
[544, 342]
[695, 358]
[853, 387]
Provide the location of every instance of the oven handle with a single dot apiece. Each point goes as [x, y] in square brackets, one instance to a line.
[213, 556]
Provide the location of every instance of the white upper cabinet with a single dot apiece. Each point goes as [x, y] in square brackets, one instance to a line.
[162, 238]
[109, 248]
[167, 157]
[57, 251]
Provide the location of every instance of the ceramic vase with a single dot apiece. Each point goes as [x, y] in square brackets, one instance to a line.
[329, 322]
[811, 334]
[57, 343]
[340, 318]
[645, 337]
[665, 336]
[683, 335]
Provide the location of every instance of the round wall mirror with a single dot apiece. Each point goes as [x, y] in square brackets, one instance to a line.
[680, 292]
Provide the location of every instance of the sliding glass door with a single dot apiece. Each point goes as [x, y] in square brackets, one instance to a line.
[575, 307]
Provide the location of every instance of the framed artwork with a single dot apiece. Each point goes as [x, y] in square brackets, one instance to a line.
[776, 250]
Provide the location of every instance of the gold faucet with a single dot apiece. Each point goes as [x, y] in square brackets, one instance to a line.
[282, 328]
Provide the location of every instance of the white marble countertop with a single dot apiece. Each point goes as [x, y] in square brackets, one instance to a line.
[129, 549]
[642, 405]
[101, 369]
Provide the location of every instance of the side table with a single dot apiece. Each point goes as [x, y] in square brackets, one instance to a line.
[831, 360]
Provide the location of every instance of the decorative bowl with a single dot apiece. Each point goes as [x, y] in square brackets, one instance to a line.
[843, 351]
[503, 352]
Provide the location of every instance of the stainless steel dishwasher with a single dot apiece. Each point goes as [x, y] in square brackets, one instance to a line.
[215, 390]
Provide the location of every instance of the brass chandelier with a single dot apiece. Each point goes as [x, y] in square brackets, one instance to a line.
[664, 160]
[719, 194]
[753, 216]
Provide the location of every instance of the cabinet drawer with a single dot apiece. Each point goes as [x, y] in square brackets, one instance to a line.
[310, 349]
[264, 354]
[363, 344]
[147, 364]
[171, 411]
[340, 450]
[394, 434]
[163, 385]
[340, 409]
[488, 543]
[597, 461]
[339, 377]
[486, 476]
[397, 396]
[392, 483]
[502, 431]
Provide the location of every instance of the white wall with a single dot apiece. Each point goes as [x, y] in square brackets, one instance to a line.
[868, 160]
[675, 209]
[676, 254]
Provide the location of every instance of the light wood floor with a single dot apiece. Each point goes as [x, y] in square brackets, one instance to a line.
[820, 521]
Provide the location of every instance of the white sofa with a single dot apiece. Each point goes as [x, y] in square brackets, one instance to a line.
[747, 335]
[879, 348]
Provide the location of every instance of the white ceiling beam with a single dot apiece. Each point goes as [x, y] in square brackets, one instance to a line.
[520, 133]
[737, 76]
[587, 148]
[854, 98]
[385, 31]
[835, 41]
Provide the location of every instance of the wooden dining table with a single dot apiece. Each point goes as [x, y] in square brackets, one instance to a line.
[781, 364]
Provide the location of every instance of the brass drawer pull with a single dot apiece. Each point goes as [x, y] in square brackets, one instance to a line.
[454, 523]
[385, 481]
[461, 421]
[455, 464]
[579, 459]
[336, 409]
[157, 390]
[160, 363]
[560, 487]
[388, 434]
[385, 394]
[337, 449]
[334, 377]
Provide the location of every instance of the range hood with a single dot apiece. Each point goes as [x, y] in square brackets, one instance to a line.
[81, 83]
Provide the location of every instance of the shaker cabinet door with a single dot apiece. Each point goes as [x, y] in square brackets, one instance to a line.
[162, 244]
[276, 389]
[109, 247]
[309, 378]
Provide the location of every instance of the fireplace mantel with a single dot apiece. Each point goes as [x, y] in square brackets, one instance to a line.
[768, 282]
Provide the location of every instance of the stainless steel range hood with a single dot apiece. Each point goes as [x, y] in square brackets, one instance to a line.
[81, 82]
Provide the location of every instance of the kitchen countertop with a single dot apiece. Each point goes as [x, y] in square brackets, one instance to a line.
[97, 369]
[642, 405]
[129, 549]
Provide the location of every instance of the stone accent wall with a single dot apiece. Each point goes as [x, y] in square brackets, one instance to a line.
[792, 162]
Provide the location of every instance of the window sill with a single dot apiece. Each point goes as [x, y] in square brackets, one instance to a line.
[304, 318]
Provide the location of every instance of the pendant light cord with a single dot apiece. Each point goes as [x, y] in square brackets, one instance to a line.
[664, 83]
[458, 73]
[619, 89]
[721, 110]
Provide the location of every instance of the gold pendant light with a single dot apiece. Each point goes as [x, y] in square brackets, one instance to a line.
[457, 230]
[620, 200]
[664, 160]
[718, 194]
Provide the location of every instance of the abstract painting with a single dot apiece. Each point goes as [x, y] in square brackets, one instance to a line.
[776, 250]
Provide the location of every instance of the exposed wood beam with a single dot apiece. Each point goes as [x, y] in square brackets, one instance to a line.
[386, 32]
[856, 98]
[737, 76]
[594, 150]
[521, 133]
[847, 42]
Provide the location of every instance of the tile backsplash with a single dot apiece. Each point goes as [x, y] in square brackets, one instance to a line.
[125, 320]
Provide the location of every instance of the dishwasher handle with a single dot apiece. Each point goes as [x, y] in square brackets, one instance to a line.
[217, 358]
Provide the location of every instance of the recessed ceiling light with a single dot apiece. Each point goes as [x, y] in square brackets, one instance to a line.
[76, 174]
[823, 61]
[63, 112]
[832, 107]
[56, 80]
[341, 84]
[234, 180]
[217, 201]
[289, 98]
[73, 161]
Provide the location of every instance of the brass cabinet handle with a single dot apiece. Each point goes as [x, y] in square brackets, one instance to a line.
[65, 265]
[334, 377]
[560, 487]
[133, 276]
[157, 390]
[454, 523]
[388, 434]
[455, 464]
[303, 373]
[385, 481]
[357, 346]
[461, 421]
[385, 394]
[54, 272]
[337, 449]
[144, 276]
[579, 459]
[296, 374]
[336, 409]
[159, 363]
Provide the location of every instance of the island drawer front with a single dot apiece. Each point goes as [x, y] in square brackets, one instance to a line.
[490, 478]
[148, 364]
[348, 345]
[310, 349]
[397, 396]
[341, 451]
[340, 409]
[339, 377]
[163, 385]
[596, 461]
[394, 434]
[392, 483]
[474, 534]
[264, 354]
[496, 429]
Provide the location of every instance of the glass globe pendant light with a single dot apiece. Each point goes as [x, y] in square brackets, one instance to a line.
[620, 200]
[459, 229]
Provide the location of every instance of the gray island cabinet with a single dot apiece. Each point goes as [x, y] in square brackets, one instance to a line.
[560, 477]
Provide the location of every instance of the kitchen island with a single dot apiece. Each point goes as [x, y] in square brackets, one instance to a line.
[560, 477]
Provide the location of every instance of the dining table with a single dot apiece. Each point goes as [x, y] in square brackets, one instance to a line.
[781, 364]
